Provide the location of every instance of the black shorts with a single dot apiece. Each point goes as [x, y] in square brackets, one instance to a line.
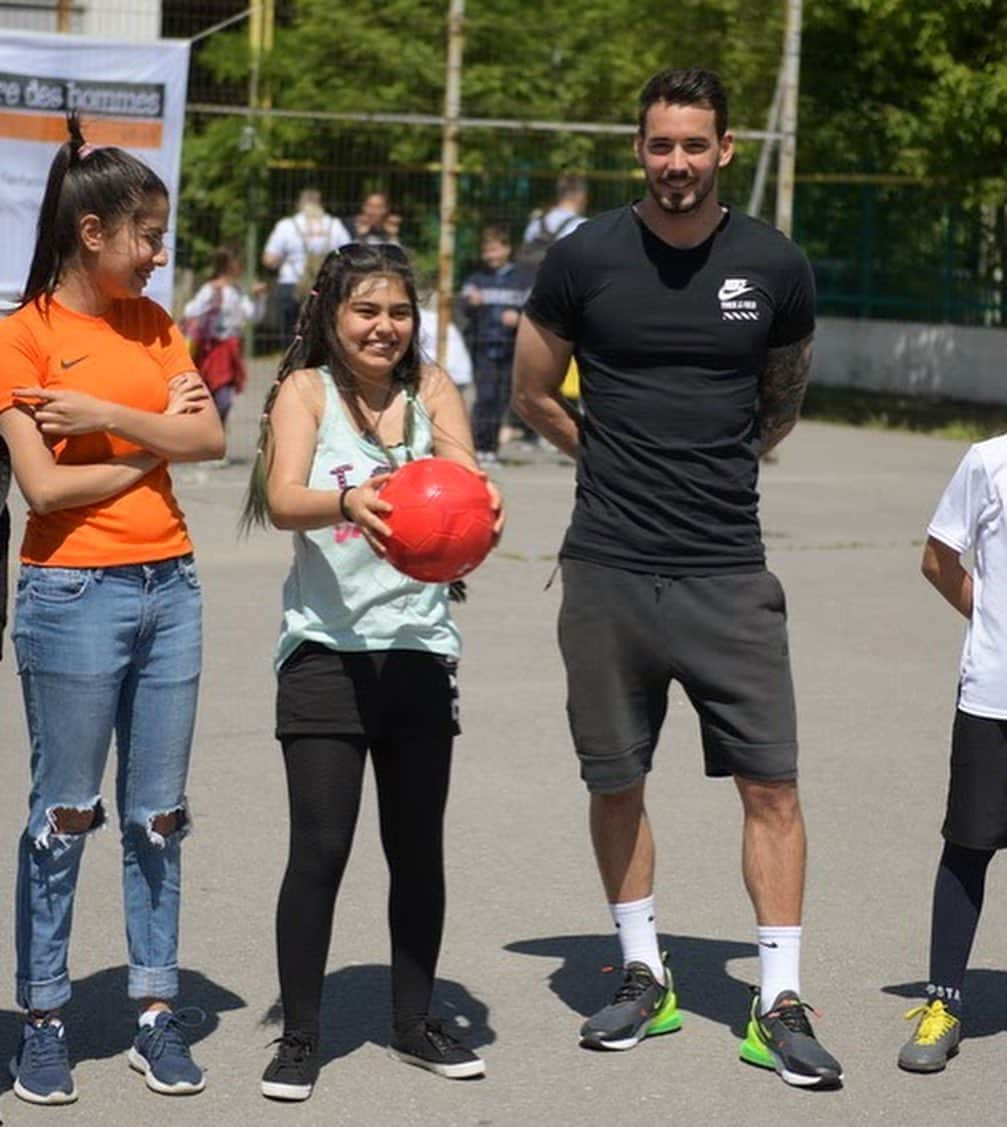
[625, 637]
[976, 815]
[321, 692]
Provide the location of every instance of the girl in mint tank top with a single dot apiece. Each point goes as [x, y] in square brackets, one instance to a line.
[367, 657]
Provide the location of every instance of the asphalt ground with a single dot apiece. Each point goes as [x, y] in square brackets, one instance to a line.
[875, 657]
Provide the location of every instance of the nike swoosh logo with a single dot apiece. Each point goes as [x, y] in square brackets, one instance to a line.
[65, 364]
[763, 943]
[728, 291]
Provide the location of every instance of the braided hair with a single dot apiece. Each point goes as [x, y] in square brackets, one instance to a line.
[316, 343]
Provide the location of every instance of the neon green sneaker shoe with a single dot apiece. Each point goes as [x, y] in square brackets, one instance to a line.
[782, 1039]
[642, 1007]
[935, 1040]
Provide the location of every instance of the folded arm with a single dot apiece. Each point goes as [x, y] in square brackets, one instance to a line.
[189, 430]
[48, 486]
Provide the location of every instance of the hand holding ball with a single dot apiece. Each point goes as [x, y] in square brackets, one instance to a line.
[441, 520]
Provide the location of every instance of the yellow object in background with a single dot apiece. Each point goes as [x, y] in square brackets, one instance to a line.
[570, 388]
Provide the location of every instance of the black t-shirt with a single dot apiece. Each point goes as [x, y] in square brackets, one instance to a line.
[671, 344]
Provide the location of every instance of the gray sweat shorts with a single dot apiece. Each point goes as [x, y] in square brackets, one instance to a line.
[626, 636]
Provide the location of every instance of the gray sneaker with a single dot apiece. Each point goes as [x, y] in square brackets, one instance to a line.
[935, 1040]
[642, 1007]
[782, 1039]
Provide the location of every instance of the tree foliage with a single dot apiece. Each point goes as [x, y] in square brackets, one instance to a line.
[910, 88]
[915, 88]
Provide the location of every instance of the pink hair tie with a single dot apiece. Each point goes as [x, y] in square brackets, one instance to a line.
[85, 151]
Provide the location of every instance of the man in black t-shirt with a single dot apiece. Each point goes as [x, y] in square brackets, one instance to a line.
[691, 325]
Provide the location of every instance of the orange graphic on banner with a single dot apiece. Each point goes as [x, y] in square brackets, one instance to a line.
[125, 132]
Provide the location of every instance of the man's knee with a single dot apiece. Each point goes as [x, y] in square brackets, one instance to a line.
[776, 802]
[612, 807]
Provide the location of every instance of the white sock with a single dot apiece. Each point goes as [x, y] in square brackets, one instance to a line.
[148, 1017]
[779, 963]
[634, 921]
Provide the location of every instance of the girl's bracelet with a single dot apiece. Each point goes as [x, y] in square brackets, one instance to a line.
[342, 503]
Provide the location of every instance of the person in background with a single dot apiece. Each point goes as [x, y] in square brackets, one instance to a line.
[563, 218]
[491, 300]
[214, 324]
[295, 249]
[457, 363]
[375, 222]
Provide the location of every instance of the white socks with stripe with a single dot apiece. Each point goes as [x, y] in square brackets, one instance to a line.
[634, 921]
[779, 963]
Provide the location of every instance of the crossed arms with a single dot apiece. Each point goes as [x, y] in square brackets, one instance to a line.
[189, 429]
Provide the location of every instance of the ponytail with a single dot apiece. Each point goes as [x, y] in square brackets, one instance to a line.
[107, 182]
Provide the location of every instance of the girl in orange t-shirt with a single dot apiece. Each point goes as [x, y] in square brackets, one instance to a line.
[97, 395]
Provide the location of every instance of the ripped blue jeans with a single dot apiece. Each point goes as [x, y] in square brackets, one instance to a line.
[103, 651]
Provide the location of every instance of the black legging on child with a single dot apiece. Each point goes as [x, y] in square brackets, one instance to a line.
[324, 780]
[958, 902]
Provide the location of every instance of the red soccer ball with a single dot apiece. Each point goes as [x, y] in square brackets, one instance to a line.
[441, 520]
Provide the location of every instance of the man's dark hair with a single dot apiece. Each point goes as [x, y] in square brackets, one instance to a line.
[691, 87]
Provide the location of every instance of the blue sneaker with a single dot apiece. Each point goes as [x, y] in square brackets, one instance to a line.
[41, 1069]
[161, 1053]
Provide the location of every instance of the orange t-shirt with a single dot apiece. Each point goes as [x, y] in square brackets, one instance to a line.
[127, 356]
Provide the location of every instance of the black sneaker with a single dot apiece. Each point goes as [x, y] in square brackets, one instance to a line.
[292, 1072]
[427, 1044]
[642, 1007]
[782, 1039]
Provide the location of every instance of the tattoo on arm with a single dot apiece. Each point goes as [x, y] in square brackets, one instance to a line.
[781, 390]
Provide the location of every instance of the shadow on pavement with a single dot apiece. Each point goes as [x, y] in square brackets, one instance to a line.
[985, 994]
[702, 982]
[357, 1008]
[101, 1019]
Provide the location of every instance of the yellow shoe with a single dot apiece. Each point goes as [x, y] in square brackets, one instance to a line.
[935, 1040]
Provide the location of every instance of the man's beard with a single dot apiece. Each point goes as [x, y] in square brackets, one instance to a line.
[678, 206]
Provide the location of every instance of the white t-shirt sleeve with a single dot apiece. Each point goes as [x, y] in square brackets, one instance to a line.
[338, 235]
[968, 501]
[276, 244]
[200, 303]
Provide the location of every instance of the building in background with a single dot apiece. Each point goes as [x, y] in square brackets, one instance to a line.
[104, 19]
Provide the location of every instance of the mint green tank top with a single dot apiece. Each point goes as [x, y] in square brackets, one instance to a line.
[338, 592]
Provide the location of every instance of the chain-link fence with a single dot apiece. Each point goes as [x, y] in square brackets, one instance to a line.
[255, 136]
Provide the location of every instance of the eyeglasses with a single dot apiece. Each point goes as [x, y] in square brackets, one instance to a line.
[156, 240]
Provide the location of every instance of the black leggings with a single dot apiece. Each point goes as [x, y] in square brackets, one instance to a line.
[324, 780]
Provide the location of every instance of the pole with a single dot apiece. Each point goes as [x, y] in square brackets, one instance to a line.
[260, 35]
[788, 147]
[63, 14]
[449, 175]
[762, 168]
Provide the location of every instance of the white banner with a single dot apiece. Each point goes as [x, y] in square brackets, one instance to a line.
[128, 94]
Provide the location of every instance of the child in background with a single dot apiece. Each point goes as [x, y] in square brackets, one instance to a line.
[491, 301]
[214, 322]
[969, 517]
